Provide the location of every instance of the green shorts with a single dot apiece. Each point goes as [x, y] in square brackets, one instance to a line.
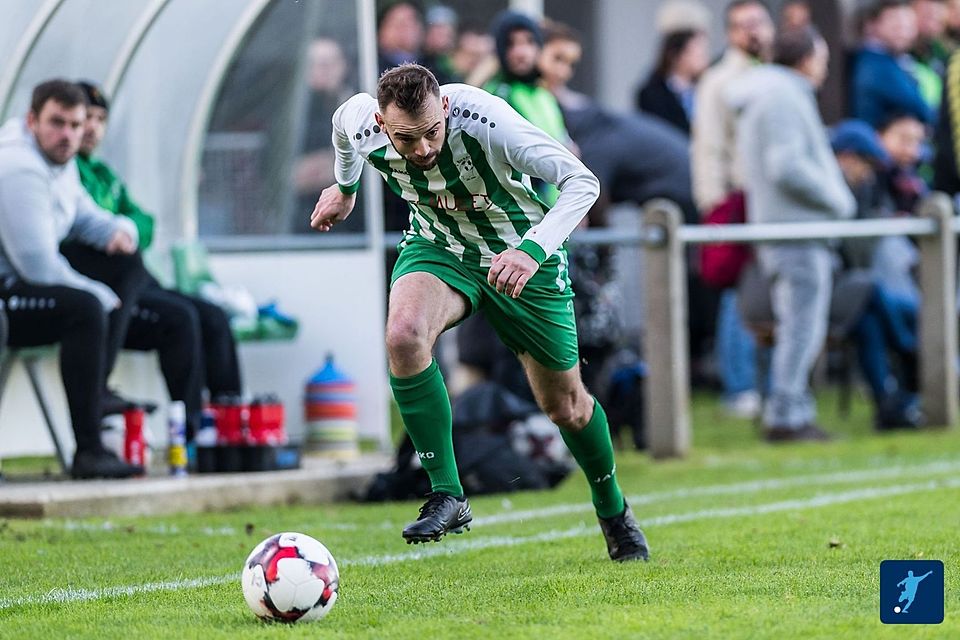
[540, 322]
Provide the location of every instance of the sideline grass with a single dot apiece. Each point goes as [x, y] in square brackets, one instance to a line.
[802, 571]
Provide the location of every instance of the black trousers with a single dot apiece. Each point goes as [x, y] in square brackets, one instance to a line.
[3, 331]
[89, 336]
[194, 342]
[128, 278]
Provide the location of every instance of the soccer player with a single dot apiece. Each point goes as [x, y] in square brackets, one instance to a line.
[910, 584]
[479, 238]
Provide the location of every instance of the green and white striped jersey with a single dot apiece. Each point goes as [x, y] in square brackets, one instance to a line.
[477, 201]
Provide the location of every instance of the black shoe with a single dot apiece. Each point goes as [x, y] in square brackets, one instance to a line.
[624, 539]
[806, 433]
[100, 463]
[113, 403]
[440, 514]
[899, 410]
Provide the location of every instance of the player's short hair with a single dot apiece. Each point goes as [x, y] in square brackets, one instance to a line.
[60, 91]
[793, 46]
[407, 86]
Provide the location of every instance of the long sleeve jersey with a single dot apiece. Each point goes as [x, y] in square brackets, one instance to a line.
[477, 201]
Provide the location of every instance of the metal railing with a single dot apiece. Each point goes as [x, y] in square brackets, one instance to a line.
[665, 326]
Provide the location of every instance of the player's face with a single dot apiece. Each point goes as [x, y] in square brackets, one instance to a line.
[93, 129]
[58, 130]
[417, 137]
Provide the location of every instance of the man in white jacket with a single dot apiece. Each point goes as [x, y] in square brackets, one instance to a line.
[791, 175]
[47, 301]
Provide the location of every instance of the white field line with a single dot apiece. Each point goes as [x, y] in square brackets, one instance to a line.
[736, 488]
[454, 547]
[162, 529]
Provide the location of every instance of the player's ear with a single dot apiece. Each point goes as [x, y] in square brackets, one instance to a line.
[378, 118]
[446, 105]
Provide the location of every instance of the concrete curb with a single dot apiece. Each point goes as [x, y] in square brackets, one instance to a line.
[319, 481]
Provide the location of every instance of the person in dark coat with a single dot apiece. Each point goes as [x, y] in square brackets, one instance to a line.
[668, 92]
[612, 145]
[881, 85]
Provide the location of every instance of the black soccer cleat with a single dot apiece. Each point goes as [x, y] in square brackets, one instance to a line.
[100, 463]
[625, 540]
[440, 514]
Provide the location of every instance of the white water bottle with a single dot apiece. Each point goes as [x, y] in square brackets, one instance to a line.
[177, 428]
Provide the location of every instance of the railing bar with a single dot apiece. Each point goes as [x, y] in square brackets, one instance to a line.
[806, 231]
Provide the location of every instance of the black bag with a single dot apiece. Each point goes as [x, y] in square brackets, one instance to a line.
[625, 407]
[485, 458]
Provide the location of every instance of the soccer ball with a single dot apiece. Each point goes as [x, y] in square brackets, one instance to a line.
[290, 577]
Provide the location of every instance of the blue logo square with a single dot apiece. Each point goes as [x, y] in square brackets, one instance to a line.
[911, 592]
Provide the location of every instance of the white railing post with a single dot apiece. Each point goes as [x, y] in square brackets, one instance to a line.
[938, 314]
[667, 405]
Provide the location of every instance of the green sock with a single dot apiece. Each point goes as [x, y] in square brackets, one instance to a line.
[425, 408]
[592, 449]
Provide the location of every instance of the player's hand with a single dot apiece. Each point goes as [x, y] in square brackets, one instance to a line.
[120, 242]
[333, 206]
[511, 271]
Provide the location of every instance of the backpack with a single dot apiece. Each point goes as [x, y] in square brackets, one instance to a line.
[625, 404]
[722, 263]
[486, 458]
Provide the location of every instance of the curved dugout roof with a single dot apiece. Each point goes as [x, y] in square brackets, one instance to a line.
[161, 61]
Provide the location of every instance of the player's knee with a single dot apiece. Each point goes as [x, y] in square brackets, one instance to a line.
[562, 413]
[570, 412]
[406, 338]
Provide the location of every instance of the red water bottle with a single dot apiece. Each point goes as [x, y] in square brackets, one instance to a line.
[133, 441]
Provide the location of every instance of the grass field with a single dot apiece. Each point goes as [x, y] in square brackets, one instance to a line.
[748, 541]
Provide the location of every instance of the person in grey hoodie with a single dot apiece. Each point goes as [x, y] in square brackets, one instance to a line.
[791, 175]
[47, 301]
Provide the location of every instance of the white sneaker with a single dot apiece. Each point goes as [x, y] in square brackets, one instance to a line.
[745, 405]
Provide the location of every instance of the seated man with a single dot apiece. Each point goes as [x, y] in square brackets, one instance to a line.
[888, 323]
[47, 301]
[191, 336]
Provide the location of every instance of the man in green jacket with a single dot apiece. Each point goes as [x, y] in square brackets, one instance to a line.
[107, 189]
[519, 41]
[191, 336]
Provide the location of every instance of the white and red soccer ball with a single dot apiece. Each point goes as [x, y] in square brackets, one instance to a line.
[290, 577]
